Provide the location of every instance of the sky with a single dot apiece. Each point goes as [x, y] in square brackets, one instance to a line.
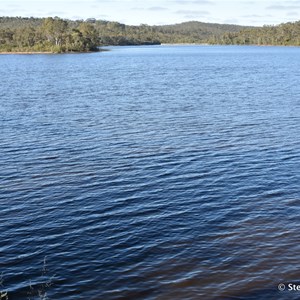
[159, 12]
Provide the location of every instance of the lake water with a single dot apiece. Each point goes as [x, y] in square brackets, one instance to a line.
[159, 172]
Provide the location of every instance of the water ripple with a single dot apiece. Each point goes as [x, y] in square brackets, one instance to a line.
[151, 173]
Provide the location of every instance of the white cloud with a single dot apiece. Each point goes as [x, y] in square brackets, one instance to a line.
[243, 12]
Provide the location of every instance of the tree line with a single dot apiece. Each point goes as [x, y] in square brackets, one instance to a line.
[19, 34]
[60, 35]
[286, 34]
[47, 35]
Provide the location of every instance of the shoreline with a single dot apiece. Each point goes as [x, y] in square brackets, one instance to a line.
[46, 52]
[104, 50]
[22, 52]
[185, 44]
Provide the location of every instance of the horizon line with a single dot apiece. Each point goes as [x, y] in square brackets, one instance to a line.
[168, 24]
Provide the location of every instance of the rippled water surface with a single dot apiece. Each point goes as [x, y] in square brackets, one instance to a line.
[151, 173]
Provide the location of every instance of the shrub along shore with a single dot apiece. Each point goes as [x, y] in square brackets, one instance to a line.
[50, 35]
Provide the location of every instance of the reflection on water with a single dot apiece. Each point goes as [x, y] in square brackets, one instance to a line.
[151, 173]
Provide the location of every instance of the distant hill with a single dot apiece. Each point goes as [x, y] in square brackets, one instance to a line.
[18, 22]
[59, 35]
[187, 32]
[114, 33]
[286, 34]
[195, 32]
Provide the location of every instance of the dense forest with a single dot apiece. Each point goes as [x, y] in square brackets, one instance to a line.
[287, 34]
[57, 35]
[46, 35]
[113, 33]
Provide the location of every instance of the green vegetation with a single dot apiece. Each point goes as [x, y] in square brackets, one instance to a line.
[113, 33]
[195, 32]
[57, 35]
[287, 34]
[46, 35]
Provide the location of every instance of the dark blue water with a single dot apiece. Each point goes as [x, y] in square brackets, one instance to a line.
[150, 173]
